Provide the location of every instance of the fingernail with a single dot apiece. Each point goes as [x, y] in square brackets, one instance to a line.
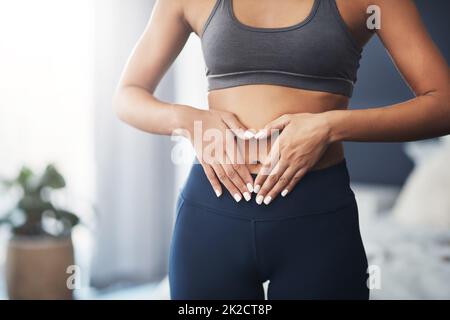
[267, 200]
[247, 196]
[259, 199]
[237, 197]
[248, 134]
[218, 193]
[240, 133]
[250, 187]
[284, 193]
[260, 134]
[256, 188]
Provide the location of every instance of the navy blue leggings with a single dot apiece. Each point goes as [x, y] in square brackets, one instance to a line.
[308, 244]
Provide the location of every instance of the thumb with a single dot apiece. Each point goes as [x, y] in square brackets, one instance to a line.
[276, 125]
[237, 127]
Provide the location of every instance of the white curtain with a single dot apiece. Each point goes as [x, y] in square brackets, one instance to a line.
[135, 177]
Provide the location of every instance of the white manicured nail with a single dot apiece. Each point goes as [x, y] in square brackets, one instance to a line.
[247, 196]
[237, 197]
[267, 200]
[256, 188]
[218, 193]
[259, 199]
[260, 134]
[284, 193]
[250, 187]
[248, 134]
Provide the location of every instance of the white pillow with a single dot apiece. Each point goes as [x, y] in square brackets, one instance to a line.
[425, 197]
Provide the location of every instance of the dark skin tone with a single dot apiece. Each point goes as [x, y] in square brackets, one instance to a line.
[313, 124]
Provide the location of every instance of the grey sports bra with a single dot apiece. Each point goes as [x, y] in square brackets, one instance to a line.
[317, 54]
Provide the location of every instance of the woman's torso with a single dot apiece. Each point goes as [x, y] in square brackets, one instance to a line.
[257, 104]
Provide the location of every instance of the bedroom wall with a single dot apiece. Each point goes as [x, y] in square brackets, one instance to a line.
[380, 84]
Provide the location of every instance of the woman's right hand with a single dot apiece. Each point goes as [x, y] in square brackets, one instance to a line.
[214, 137]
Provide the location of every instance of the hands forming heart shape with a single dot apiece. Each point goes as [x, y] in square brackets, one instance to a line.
[298, 142]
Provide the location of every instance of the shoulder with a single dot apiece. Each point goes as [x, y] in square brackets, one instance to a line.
[364, 7]
[195, 12]
[172, 9]
[192, 5]
[356, 12]
[178, 6]
[174, 6]
[354, 7]
[387, 7]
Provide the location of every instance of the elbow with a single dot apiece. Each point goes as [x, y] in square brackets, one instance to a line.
[441, 103]
[445, 102]
[118, 106]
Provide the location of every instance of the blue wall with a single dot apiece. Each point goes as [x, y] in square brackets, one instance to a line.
[380, 84]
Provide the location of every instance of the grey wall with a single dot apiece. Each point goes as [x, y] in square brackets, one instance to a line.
[380, 84]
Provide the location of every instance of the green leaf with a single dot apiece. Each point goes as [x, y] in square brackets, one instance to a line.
[70, 217]
[52, 178]
[24, 177]
[35, 203]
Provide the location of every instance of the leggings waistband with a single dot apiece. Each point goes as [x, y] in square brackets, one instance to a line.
[320, 191]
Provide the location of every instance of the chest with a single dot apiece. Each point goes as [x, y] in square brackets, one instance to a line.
[271, 14]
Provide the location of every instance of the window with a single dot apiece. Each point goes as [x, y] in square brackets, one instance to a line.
[46, 58]
[46, 88]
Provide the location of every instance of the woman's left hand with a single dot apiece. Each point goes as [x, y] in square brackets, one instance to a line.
[303, 139]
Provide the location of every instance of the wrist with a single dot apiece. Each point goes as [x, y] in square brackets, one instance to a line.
[334, 120]
[184, 118]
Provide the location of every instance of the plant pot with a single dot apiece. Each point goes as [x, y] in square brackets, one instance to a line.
[36, 268]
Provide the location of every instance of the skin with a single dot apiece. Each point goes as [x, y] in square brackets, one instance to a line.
[313, 125]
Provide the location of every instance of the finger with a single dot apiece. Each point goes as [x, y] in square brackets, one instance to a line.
[276, 125]
[213, 180]
[244, 180]
[268, 165]
[237, 127]
[235, 178]
[280, 186]
[223, 178]
[243, 172]
[272, 179]
[295, 179]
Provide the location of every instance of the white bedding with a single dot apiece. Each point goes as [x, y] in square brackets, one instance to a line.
[414, 263]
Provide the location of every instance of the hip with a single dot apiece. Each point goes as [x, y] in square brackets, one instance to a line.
[320, 191]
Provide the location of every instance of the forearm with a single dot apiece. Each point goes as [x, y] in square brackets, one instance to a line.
[426, 116]
[140, 109]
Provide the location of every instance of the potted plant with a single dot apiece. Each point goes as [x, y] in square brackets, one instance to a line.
[40, 248]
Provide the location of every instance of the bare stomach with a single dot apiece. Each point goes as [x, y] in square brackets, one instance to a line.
[257, 105]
